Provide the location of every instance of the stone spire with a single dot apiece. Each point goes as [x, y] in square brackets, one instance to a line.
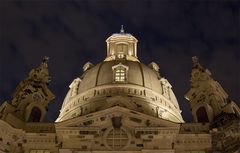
[206, 96]
[31, 97]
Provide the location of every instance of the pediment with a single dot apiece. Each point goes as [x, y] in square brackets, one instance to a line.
[128, 117]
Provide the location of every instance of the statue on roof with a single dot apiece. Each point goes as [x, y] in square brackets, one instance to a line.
[40, 74]
[196, 63]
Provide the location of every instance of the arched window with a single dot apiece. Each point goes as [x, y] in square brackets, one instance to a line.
[35, 115]
[202, 115]
[120, 73]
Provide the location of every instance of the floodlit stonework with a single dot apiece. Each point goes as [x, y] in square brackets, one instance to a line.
[120, 105]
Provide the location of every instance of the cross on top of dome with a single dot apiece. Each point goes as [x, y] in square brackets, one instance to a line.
[122, 29]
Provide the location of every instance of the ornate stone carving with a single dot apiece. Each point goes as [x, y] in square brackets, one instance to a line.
[205, 92]
[32, 93]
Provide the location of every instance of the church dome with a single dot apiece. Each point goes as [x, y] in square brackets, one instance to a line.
[121, 80]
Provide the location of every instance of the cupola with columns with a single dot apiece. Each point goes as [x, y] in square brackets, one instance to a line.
[121, 45]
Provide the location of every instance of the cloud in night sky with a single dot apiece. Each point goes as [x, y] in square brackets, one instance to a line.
[74, 32]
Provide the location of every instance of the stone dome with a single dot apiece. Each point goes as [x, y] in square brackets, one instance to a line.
[121, 80]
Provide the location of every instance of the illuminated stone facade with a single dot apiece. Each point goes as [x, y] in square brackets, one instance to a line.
[120, 106]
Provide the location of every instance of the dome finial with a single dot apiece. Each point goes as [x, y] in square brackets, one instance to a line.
[121, 30]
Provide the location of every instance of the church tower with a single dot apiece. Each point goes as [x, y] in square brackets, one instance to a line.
[119, 105]
[206, 96]
[30, 98]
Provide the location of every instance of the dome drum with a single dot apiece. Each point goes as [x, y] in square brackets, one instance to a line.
[133, 97]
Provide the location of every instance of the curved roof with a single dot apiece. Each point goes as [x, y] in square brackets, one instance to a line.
[96, 88]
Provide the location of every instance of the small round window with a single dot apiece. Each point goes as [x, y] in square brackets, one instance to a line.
[116, 138]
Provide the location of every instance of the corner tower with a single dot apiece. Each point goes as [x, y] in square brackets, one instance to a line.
[30, 99]
[207, 97]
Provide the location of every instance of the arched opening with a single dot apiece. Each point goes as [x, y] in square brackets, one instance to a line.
[35, 115]
[202, 115]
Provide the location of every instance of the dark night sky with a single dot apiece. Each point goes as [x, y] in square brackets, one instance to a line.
[74, 32]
